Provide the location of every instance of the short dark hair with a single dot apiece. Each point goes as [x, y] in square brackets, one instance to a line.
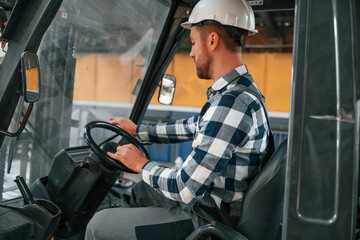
[233, 37]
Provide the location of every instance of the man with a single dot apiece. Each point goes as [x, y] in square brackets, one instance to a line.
[230, 136]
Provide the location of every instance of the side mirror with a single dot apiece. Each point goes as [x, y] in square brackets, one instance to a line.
[31, 87]
[167, 89]
[30, 76]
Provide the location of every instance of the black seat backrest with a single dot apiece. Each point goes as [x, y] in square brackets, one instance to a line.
[262, 206]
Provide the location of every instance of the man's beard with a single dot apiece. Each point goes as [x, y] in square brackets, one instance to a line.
[203, 73]
[202, 69]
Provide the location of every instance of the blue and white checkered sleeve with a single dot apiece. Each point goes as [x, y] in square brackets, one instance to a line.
[172, 132]
[222, 128]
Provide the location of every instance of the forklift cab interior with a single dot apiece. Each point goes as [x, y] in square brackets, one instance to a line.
[79, 177]
[100, 59]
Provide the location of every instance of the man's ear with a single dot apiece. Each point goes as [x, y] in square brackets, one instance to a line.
[213, 41]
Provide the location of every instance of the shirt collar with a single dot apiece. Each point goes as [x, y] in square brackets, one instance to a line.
[226, 80]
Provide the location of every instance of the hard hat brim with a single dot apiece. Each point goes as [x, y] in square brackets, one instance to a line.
[186, 25]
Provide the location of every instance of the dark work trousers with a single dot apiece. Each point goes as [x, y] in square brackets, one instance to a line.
[152, 216]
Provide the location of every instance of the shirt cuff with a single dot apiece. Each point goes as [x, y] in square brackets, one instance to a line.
[142, 132]
[147, 172]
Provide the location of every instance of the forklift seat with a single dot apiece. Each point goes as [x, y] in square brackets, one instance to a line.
[262, 205]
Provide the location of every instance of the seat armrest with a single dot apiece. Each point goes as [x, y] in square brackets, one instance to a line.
[219, 230]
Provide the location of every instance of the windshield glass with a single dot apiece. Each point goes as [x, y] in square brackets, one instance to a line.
[92, 59]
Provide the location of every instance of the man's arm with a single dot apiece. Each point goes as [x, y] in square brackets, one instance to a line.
[171, 132]
[178, 131]
[222, 129]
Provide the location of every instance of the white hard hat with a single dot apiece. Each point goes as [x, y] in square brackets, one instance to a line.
[234, 13]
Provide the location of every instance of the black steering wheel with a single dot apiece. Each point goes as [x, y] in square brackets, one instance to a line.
[107, 160]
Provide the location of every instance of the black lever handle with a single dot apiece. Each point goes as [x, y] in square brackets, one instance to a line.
[25, 191]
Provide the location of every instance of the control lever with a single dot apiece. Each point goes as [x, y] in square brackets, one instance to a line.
[25, 191]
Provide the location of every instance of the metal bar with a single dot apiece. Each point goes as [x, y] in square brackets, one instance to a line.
[163, 50]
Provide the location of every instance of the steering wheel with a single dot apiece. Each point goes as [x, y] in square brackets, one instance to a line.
[107, 160]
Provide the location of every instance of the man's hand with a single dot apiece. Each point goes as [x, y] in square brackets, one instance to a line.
[125, 124]
[130, 156]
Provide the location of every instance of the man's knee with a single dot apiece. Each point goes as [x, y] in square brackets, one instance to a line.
[92, 229]
[104, 225]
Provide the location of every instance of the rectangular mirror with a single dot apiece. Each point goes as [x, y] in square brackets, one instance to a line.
[167, 89]
[30, 76]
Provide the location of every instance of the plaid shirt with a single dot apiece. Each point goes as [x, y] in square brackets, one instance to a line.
[230, 138]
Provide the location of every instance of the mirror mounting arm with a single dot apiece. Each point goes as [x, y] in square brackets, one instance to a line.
[22, 124]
